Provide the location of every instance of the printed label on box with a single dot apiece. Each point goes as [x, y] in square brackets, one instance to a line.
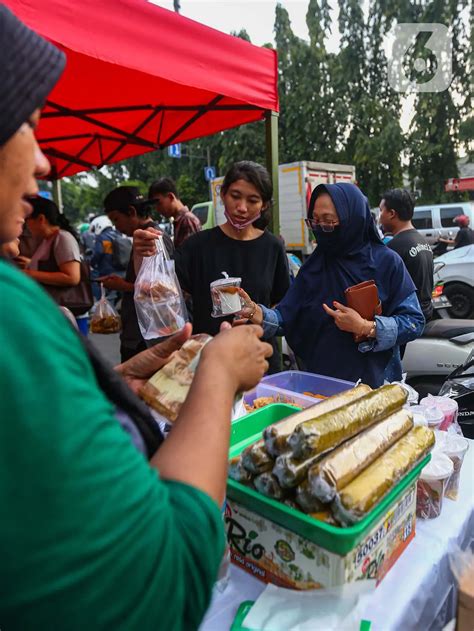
[277, 555]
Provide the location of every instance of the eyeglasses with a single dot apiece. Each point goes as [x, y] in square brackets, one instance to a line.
[326, 226]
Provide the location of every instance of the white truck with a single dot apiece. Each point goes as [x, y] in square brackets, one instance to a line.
[296, 183]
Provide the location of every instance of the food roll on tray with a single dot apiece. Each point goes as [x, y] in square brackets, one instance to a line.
[361, 495]
[256, 459]
[334, 471]
[276, 435]
[332, 428]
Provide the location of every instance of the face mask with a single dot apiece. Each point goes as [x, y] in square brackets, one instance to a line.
[326, 240]
[240, 226]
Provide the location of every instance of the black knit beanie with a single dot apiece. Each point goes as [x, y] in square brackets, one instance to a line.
[29, 68]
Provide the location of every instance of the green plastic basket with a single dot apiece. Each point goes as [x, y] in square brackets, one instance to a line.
[246, 431]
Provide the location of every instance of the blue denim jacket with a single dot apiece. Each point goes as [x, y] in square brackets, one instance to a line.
[405, 325]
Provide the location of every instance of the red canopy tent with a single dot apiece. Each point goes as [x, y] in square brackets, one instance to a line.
[140, 77]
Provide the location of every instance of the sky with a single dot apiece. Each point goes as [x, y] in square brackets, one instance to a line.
[256, 16]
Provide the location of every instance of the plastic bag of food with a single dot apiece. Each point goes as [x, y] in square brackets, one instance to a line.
[331, 429]
[159, 302]
[431, 486]
[276, 435]
[105, 319]
[290, 471]
[334, 471]
[256, 459]
[225, 296]
[356, 499]
[167, 390]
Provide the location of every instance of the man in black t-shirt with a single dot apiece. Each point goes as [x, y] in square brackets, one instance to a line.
[396, 213]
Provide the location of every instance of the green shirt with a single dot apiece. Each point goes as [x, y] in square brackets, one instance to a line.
[90, 537]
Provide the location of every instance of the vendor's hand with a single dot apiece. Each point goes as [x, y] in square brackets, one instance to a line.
[22, 261]
[250, 313]
[137, 370]
[112, 281]
[240, 354]
[144, 241]
[345, 318]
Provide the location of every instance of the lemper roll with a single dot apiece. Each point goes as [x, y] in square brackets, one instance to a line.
[331, 429]
[359, 497]
[334, 471]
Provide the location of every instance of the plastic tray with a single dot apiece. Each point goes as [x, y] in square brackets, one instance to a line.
[288, 387]
[246, 431]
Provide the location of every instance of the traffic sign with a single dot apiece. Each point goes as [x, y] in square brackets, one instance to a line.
[209, 173]
[174, 151]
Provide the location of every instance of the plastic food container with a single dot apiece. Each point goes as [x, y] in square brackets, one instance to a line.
[296, 387]
[454, 447]
[432, 486]
[225, 296]
[248, 430]
[431, 416]
[448, 406]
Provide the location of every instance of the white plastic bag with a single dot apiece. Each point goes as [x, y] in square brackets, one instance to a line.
[159, 301]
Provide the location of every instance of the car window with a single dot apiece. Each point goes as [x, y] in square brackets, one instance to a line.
[422, 219]
[447, 215]
[201, 213]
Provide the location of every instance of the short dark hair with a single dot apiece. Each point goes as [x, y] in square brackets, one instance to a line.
[253, 173]
[46, 207]
[122, 197]
[401, 201]
[163, 186]
[257, 175]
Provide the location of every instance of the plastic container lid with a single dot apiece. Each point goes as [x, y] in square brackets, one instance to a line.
[442, 403]
[451, 444]
[226, 282]
[440, 467]
[433, 415]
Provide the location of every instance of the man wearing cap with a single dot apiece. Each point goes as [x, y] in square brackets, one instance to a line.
[92, 535]
[128, 210]
[465, 234]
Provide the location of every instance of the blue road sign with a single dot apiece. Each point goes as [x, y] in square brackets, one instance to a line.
[209, 173]
[174, 151]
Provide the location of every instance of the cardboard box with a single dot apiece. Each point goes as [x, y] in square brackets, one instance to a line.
[277, 555]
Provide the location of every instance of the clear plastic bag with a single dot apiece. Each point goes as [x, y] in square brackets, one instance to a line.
[105, 319]
[159, 302]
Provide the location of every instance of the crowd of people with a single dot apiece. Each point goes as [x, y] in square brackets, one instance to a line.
[105, 523]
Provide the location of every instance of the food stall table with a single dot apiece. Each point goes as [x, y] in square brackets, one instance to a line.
[419, 592]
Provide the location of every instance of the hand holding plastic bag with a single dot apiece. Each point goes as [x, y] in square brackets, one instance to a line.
[159, 301]
[105, 319]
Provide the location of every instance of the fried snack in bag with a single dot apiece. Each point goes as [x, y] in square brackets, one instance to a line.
[105, 320]
[290, 471]
[267, 484]
[359, 497]
[331, 429]
[256, 459]
[334, 471]
[166, 391]
[306, 500]
[159, 301]
[237, 471]
[276, 435]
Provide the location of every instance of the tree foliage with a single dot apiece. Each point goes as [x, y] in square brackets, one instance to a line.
[333, 108]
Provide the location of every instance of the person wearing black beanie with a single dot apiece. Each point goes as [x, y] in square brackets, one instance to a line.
[29, 68]
[99, 530]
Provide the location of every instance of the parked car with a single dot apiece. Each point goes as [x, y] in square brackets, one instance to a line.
[437, 220]
[457, 274]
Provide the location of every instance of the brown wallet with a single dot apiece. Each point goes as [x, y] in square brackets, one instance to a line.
[364, 298]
